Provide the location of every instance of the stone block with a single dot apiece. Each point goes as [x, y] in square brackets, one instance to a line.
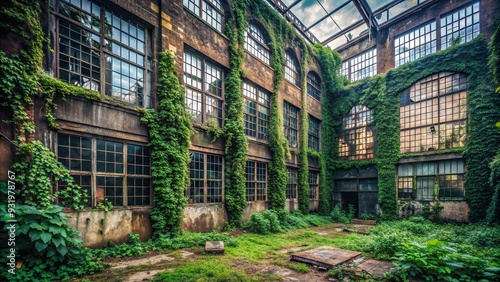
[214, 247]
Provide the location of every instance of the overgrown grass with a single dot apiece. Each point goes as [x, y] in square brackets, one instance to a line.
[476, 246]
[212, 270]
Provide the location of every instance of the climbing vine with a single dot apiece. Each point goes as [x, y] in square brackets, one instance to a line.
[282, 35]
[169, 131]
[330, 63]
[236, 145]
[38, 171]
[303, 193]
[381, 95]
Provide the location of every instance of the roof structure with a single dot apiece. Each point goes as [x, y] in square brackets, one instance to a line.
[335, 23]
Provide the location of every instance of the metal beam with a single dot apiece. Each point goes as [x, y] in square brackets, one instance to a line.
[328, 15]
[291, 6]
[366, 13]
[343, 32]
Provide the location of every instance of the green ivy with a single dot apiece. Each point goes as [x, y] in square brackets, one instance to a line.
[20, 22]
[303, 177]
[493, 212]
[494, 48]
[381, 95]
[38, 171]
[330, 63]
[169, 131]
[236, 145]
[282, 34]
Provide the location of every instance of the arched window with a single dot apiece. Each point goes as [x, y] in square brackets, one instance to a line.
[357, 141]
[255, 43]
[292, 68]
[433, 113]
[314, 85]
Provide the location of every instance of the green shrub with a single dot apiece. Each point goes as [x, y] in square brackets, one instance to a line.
[45, 243]
[337, 215]
[259, 224]
[437, 261]
[274, 223]
[368, 216]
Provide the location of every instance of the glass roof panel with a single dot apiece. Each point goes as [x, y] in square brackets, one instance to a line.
[336, 22]
[309, 12]
[355, 33]
[376, 4]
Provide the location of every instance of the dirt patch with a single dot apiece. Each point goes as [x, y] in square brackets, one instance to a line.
[143, 261]
[142, 276]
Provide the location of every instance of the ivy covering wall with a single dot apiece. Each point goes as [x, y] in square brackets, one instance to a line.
[282, 36]
[236, 144]
[169, 131]
[381, 95]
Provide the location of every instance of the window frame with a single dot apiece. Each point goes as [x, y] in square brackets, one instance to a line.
[292, 188]
[205, 93]
[444, 26]
[420, 113]
[258, 37]
[314, 137]
[256, 195]
[261, 131]
[94, 173]
[289, 131]
[349, 129]
[292, 68]
[313, 184]
[205, 180]
[101, 53]
[405, 184]
[410, 37]
[199, 11]
[314, 85]
[367, 59]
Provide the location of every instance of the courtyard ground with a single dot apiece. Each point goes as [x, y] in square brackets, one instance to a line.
[254, 258]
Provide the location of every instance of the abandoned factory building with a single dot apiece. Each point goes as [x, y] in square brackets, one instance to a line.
[388, 107]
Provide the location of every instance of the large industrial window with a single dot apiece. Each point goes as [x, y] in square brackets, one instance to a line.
[313, 184]
[257, 104]
[204, 89]
[256, 184]
[104, 51]
[415, 44]
[314, 134]
[361, 66]
[205, 173]
[292, 182]
[292, 70]
[291, 124]
[460, 26]
[357, 139]
[119, 173]
[211, 11]
[314, 85]
[433, 113]
[427, 180]
[255, 43]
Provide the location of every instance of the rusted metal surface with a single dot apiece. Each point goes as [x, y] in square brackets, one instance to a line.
[325, 256]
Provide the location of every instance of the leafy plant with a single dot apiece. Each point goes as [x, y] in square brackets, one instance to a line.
[44, 242]
[437, 261]
[105, 205]
[169, 130]
[337, 215]
[368, 216]
[38, 171]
